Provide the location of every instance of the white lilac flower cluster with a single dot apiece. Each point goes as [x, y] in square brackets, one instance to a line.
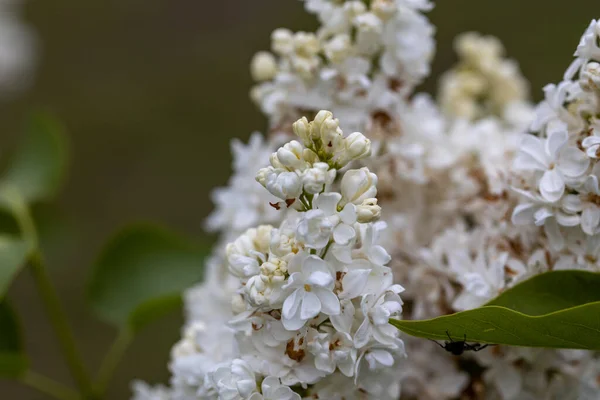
[17, 51]
[558, 164]
[361, 58]
[472, 204]
[310, 301]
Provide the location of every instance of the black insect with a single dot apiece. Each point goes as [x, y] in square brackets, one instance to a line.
[457, 348]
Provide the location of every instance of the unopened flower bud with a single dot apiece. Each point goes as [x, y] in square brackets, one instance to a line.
[368, 211]
[327, 130]
[284, 185]
[263, 66]
[357, 146]
[590, 77]
[358, 185]
[262, 174]
[354, 8]
[338, 48]
[282, 41]
[302, 130]
[306, 44]
[290, 156]
[317, 178]
[384, 9]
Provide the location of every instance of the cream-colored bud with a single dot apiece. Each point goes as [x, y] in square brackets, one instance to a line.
[354, 8]
[290, 155]
[338, 48]
[263, 174]
[368, 211]
[357, 146]
[358, 185]
[384, 9]
[306, 44]
[263, 66]
[302, 130]
[282, 41]
[590, 77]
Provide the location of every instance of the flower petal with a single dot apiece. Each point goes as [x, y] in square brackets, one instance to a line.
[291, 304]
[572, 162]
[363, 334]
[343, 321]
[330, 304]
[523, 213]
[534, 148]
[555, 237]
[320, 278]
[314, 264]
[354, 282]
[590, 219]
[311, 306]
[327, 202]
[557, 138]
[552, 186]
[343, 234]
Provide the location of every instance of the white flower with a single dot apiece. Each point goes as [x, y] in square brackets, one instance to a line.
[559, 161]
[332, 350]
[312, 293]
[247, 253]
[377, 310]
[358, 185]
[589, 79]
[272, 389]
[591, 144]
[324, 223]
[235, 382]
[482, 278]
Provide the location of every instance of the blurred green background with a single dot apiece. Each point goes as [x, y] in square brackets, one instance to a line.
[151, 92]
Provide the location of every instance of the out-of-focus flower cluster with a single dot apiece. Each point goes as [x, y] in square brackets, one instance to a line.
[17, 49]
[472, 202]
[361, 58]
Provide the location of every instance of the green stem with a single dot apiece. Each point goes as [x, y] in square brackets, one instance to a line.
[304, 202]
[56, 313]
[326, 249]
[111, 361]
[48, 386]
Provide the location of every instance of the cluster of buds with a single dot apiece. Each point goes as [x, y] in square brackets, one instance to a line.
[300, 170]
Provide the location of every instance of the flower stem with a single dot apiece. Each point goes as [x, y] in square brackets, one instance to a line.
[111, 361]
[56, 313]
[48, 386]
[326, 249]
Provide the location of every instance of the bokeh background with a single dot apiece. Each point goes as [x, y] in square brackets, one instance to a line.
[152, 91]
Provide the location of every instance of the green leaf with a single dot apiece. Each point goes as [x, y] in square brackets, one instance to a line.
[558, 309]
[141, 273]
[13, 255]
[13, 362]
[38, 167]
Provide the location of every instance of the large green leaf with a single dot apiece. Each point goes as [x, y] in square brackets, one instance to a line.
[38, 167]
[141, 273]
[13, 361]
[557, 309]
[13, 255]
